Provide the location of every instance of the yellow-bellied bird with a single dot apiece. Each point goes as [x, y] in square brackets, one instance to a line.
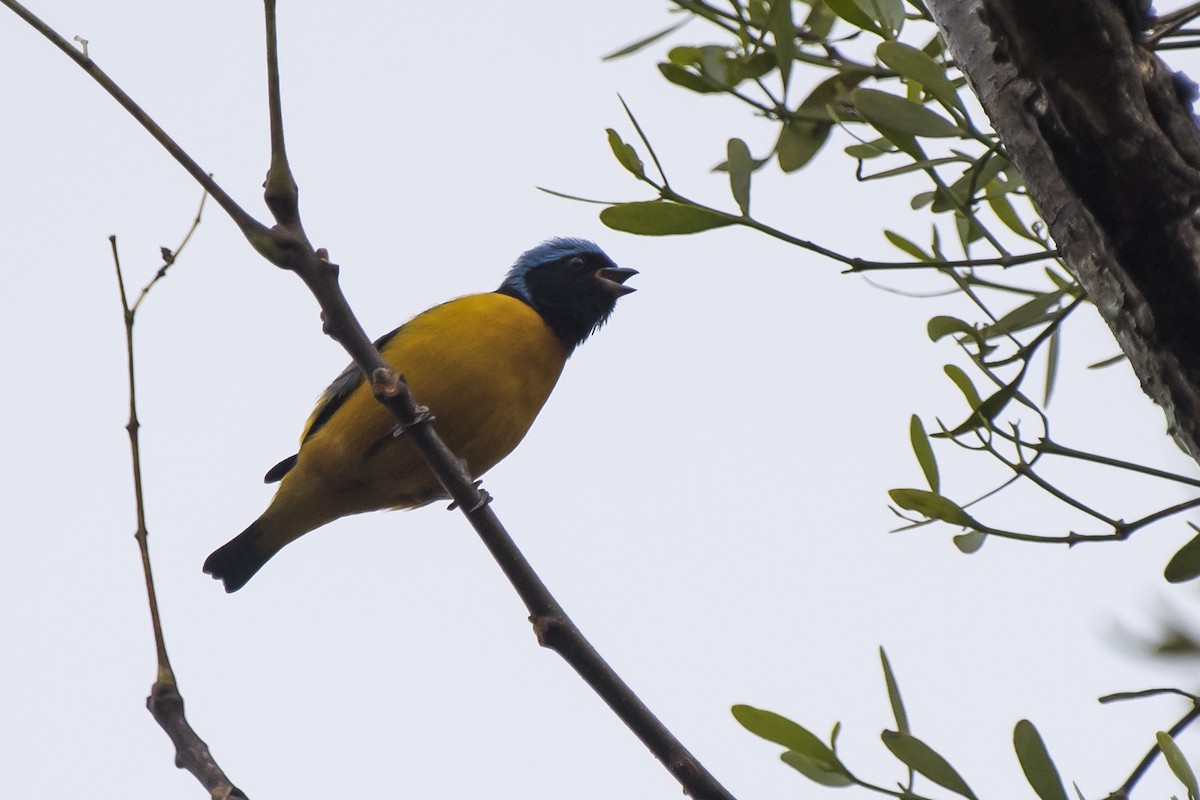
[484, 364]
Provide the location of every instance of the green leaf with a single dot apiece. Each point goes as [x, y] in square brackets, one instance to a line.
[941, 326]
[796, 738]
[967, 229]
[813, 770]
[906, 246]
[882, 17]
[834, 90]
[688, 80]
[904, 169]
[884, 110]
[1005, 212]
[783, 29]
[916, 66]
[1052, 347]
[1039, 769]
[647, 41]
[819, 21]
[923, 451]
[893, 691]
[799, 141]
[889, 14]
[740, 165]
[1033, 312]
[932, 505]
[985, 412]
[626, 155]
[850, 12]
[964, 385]
[920, 200]
[969, 542]
[1178, 764]
[1107, 362]
[922, 758]
[661, 218]
[865, 150]
[1185, 564]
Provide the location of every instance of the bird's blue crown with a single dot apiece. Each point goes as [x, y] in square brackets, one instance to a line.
[547, 252]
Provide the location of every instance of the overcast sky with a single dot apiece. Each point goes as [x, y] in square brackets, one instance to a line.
[705, 491]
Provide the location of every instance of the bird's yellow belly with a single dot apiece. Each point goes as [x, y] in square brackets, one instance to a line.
[484, 365]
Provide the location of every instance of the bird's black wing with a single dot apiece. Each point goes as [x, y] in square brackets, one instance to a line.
[327, 405]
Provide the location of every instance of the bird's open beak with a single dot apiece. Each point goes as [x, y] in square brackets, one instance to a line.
[612, 279]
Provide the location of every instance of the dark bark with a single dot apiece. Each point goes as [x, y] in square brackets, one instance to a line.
[1103, 134]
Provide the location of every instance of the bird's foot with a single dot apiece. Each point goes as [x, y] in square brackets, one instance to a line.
[423, 417]
[484, 499]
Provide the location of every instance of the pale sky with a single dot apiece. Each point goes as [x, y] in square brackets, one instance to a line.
[705, 491]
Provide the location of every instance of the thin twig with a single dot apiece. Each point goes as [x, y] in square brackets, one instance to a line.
[1144, 765]
[165, 702]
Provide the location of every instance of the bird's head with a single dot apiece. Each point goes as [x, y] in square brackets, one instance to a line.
[571, 283]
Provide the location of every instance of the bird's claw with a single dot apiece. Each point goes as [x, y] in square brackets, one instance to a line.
[423, 417]
[484, 499]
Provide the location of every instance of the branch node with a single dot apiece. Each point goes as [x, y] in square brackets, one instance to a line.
[550, 629]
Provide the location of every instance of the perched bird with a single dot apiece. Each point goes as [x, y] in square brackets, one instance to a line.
[484, 364]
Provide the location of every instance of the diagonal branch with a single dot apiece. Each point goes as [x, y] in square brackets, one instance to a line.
[286, 245]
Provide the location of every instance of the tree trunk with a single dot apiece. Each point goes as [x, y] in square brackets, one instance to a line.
[1102, 132]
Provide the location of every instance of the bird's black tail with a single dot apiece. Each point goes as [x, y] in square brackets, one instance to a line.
[236, 561]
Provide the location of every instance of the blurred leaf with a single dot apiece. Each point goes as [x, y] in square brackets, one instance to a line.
[1051, 365]
[922, 758]
[1108, 362]
[893, 691]
[794, 737]
[865, 150]
[649, 40]
[813, 770]
[934, 506]
[906, 246]
[1185, 564]
[884, 110]
[882, 17]
[924, 452]
[1033, 312]
[941, 326]
[920, 200]
[819, 21]
[1036, 763]
[1004, 212]
[834, 90]
[850, 12]
[626, 155]
[905, 142]
[1178, 764]
[967, 229]
[661, 218]
[986, 411]
[970, 542]
[688, 80]
[916, 166]
[961, 194]
[740, 164]
[748, 69]
[964, 385]
[917, 66]
[783, 29]
[889, 13]
[799, 141]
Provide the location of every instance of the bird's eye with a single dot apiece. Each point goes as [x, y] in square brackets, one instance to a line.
[576, 263]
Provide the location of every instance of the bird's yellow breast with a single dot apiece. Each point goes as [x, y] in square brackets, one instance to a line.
[484, 365]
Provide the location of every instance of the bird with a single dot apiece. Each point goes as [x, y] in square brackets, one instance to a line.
[483, 364]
